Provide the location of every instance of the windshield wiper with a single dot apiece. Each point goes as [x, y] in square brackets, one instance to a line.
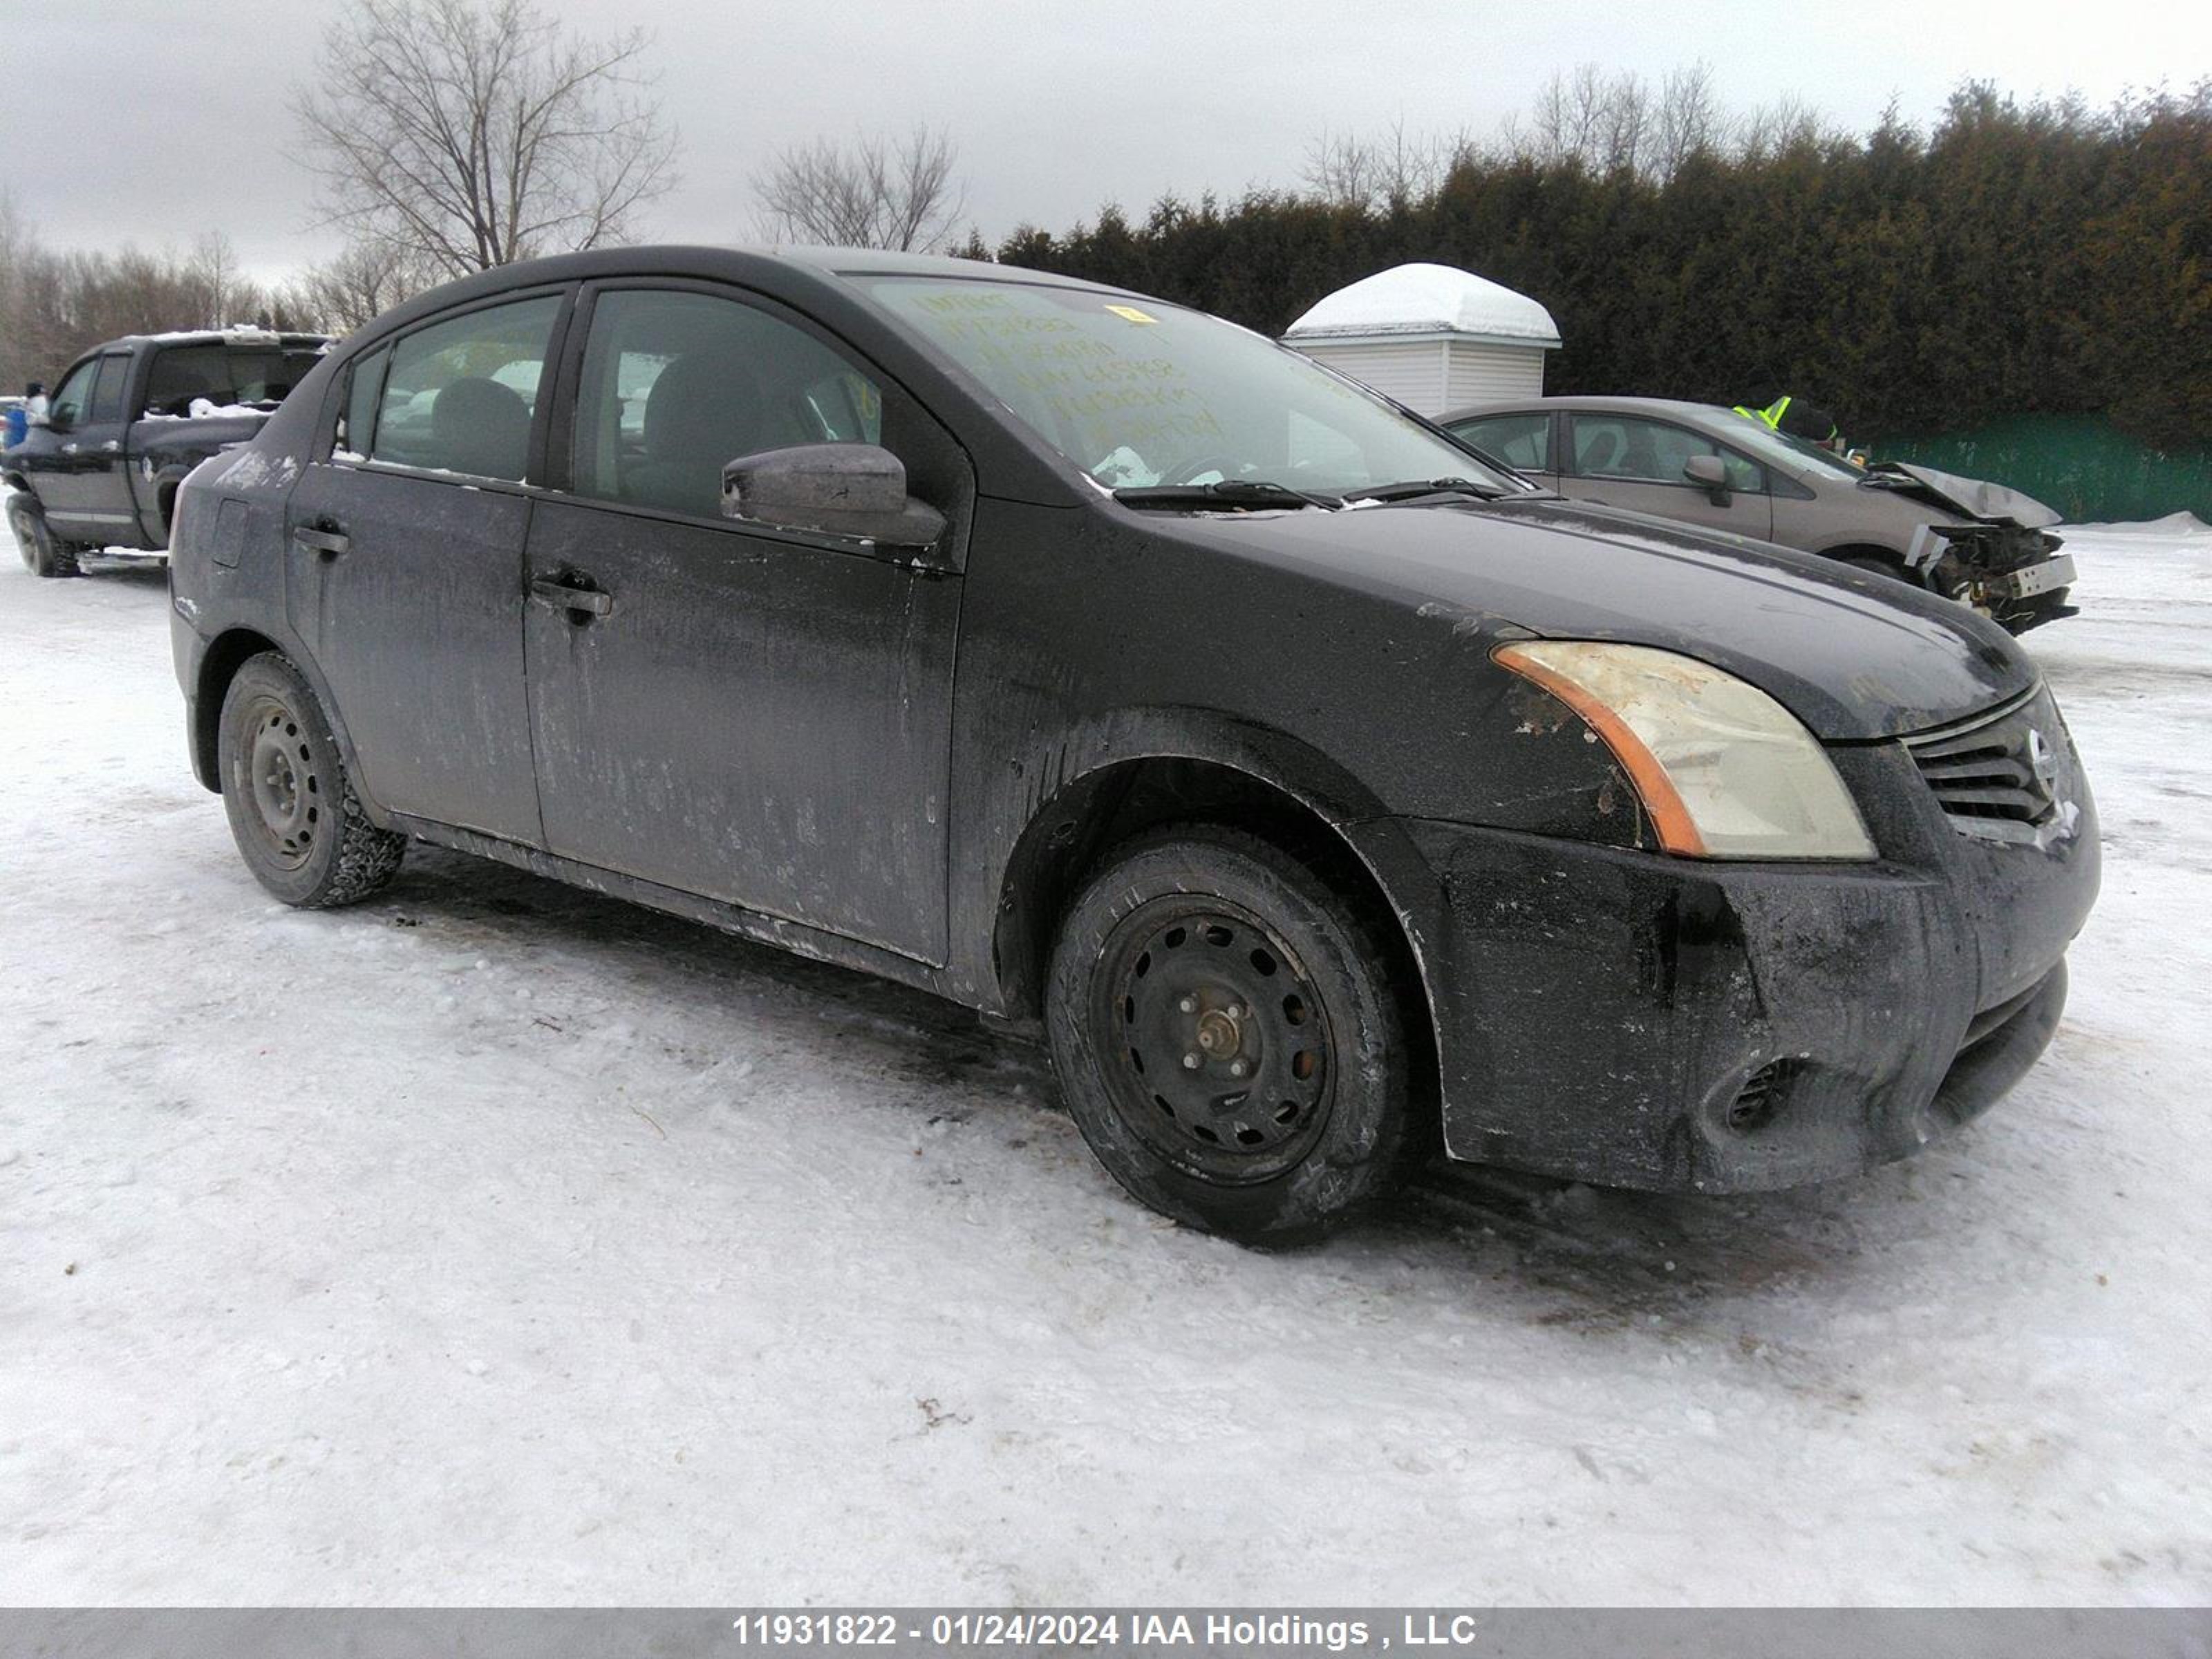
[1413, 490]
[1227, 493]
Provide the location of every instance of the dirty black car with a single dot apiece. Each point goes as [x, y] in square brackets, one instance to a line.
[1321, 797]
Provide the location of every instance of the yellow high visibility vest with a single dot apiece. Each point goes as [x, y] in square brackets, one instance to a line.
[1771, 416]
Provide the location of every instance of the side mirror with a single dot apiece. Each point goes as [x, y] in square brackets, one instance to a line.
[844, 489]
[1708, 474]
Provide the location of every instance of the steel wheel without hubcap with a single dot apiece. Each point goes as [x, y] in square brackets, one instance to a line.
[280, 781]
[297, 821]
[1227, 1036]
[1221, 1040]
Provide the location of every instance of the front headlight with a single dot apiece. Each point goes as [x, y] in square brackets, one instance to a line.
[1725, 771]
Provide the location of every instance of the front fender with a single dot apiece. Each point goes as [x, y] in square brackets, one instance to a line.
[1042, 817]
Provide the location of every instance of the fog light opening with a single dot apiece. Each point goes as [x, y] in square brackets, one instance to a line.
[1760, 1100]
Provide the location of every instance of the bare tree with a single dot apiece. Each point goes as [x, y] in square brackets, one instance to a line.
[1604, 122]
[1387, 170]
[873, 193]
[472, 133]
[1690, 120]
[1784, 124]
[20, 257]
[220, 294]
[366, 278]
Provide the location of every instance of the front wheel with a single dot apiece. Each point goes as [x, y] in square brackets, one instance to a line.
[45, 553]
[292, 810]
[1227, 1038]
[1875, 564]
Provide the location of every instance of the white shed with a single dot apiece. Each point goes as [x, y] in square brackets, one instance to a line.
[1431, 337]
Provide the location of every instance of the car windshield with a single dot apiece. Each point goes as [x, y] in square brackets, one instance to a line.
[1143, 395]
[1763, 442]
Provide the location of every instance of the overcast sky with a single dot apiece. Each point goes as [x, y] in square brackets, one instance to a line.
[152, 121]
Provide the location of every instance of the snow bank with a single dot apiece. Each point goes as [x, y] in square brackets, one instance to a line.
[2179, 527]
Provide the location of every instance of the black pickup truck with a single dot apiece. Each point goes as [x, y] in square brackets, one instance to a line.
[128, 421]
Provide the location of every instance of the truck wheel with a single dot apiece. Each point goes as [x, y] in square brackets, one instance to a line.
[43, 552]
[292, 810]
[1226, 1036]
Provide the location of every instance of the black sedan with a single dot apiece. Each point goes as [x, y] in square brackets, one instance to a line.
[1320, 795]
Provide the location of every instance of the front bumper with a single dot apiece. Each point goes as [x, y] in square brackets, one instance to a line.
[2052, 575]
[1637, 1020]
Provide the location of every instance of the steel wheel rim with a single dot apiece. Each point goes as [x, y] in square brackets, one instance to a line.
[1190, 990]
[279, 778]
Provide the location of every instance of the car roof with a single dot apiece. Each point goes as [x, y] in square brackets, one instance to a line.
[241, 335]
[821, 269]
[880, 262]
[738, 261]
[1675, 407]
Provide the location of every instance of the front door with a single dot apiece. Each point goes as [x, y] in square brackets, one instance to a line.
[405, 577]
[757, 716]
[86, 491]
[1635, 462]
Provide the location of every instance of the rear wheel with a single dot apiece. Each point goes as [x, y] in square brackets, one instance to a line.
[43, 552]
[1226, 1036]
[292, 810]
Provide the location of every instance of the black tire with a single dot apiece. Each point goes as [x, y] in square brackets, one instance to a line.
[1274, 970]
[45, 553]
[292, 810]
[1875, 564]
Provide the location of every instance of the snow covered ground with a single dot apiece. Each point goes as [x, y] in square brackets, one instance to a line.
[493, 1242]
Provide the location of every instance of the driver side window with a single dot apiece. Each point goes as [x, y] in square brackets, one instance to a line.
[677, 384]
[1632, 450]
[71, 403]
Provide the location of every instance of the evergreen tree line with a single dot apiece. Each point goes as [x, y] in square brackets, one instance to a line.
[2016, 258]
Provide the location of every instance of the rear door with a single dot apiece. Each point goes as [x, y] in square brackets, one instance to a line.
[760, 716]
[405, 562]
[1637, 461]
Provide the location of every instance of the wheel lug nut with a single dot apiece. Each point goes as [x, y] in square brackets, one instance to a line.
[1238, 1069]
[1189, 1004]
[1191, 1063]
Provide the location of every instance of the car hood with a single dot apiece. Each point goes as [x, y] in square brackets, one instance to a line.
[1855, 656]
[1975, 498]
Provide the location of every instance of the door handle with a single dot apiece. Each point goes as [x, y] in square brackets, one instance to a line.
[328, 543]
[558, 594]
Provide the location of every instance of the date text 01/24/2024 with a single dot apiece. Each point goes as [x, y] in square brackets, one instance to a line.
[1095, 1630]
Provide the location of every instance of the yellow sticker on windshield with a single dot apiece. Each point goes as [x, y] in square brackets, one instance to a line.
[1132, 313]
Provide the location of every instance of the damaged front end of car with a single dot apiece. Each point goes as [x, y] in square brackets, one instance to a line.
[1997, 555]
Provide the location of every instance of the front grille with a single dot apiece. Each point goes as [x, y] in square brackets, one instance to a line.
[2000, 777]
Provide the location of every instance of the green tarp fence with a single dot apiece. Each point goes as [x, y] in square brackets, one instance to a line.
[2079, 466]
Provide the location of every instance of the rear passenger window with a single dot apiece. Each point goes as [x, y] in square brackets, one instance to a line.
[107, 391]
[676, 385]
[1519, 441]
[227, 375]
[357, 420]
[459, 396]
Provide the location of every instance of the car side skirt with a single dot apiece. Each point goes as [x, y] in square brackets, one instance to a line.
[758, 927]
